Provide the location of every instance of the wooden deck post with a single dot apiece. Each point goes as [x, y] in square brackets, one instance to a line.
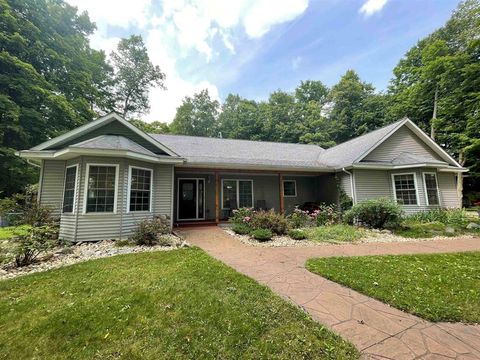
[217, 198]
[280, 186]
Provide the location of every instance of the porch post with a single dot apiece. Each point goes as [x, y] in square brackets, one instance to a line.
[280, 186]
[217, 198]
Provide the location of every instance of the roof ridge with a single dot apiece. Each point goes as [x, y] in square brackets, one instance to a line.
[246, 140]
[368, 133]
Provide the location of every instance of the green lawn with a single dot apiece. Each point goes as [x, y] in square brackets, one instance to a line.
[438, 287]
[178, 304]
[11, 231]
[335, 233]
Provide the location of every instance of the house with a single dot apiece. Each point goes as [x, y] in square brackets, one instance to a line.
[104, 177]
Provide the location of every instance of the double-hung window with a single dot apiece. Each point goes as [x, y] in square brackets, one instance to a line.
[237, 193]
[431, 188]
[405, 188]
[140, 189]
[101, 188]
[69, 189]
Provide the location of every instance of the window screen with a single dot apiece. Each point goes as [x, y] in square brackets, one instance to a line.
[431, 189]
[140, 186]
[69, 192]
[289, 188]
[405, 189]
[101, 188]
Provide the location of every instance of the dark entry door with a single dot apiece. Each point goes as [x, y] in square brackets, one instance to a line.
[190, 199]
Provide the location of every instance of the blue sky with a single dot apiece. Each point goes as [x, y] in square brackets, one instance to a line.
[253, 47]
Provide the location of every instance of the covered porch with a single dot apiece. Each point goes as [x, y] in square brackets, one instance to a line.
[210, 195]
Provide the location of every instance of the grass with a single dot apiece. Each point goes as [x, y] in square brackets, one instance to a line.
[415, 229]
[9, 232]
[438, 287]
[335, 233]
[177, 304]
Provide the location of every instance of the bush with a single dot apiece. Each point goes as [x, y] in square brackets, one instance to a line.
[262, 234]
[455, 217]
[378, 214]
[149, 231]
[242, 215]
[299, 218]
[326, 215]
[36, 241]
[296, 234]
[36, 215]
[241, 229]
[277, 223]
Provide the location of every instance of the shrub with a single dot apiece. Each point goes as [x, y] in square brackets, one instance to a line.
[149, 231]
[36, 241]
[262, 234]
[299, 218]
[241, 229]
[326, 215]
[36, 215]
[344, 200]
[378, 214]
[242, 215]
[123, 243]
[271, 220]
[296, 234]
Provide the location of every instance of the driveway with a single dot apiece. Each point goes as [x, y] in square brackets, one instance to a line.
[378, 330]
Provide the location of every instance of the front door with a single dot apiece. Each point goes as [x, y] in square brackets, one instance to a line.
[191, 198]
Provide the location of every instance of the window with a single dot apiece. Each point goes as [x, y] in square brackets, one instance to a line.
[289, 188]
[69, 189]
[140, 189]
[237, 194]
[405, 189]
[101, 185]
[431, 188]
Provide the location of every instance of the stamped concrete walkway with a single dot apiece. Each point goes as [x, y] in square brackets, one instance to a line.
[378, 330]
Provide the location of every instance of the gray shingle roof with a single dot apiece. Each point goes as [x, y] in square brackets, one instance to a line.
[203, 150]
[344, 154]
[112, 142]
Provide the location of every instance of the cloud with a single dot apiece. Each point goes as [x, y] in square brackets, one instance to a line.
[296, 62]
[115, 12]
[370, 7]
[176, 31]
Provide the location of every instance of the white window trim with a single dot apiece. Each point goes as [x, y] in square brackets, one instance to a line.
[425, 188]
[196, 206]
[283, 188]
[415, 184]
[85, 195]
[74, 189]
[238, 192]
[130, 168]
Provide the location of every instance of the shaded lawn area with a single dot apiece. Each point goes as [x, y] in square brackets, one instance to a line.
[9, 232]
[174, 304]
[337, 233]
[437, 287]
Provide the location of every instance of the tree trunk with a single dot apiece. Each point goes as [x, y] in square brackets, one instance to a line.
[461, 161]
[434, 115]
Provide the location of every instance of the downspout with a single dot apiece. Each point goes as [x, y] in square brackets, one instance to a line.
[352, 185]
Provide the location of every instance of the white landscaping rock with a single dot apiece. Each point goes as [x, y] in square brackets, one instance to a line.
[84, 251]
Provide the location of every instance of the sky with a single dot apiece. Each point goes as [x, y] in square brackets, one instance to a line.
[254, 47]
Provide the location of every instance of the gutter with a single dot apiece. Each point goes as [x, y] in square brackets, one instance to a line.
[352, 185]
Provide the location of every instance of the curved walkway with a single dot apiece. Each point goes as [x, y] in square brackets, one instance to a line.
[378, 330]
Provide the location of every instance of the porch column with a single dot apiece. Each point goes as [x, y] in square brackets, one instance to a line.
[217, 198]
[280, 186]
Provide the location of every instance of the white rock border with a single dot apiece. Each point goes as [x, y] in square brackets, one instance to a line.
[64, 256]
[374, 236]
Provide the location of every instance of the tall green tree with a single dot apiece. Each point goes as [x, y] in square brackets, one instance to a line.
[355, 107]
[134, 76]
[50, 80]
[154, 127]
[197, 115]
